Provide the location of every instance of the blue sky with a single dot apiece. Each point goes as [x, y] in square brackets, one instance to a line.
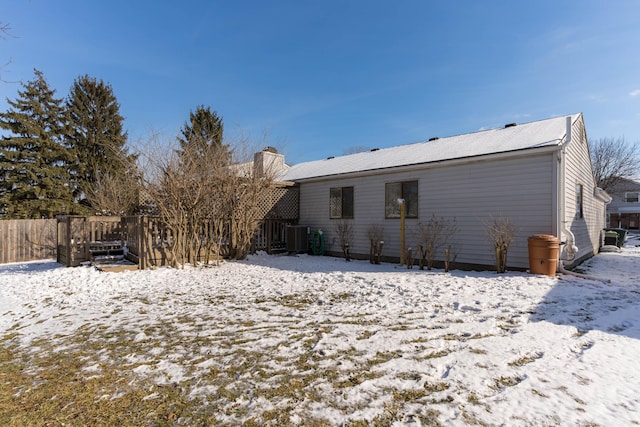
[322, 77]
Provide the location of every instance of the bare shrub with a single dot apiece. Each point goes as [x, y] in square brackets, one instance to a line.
[375, 233]
[409, 257]
[344, 230]
[209, 197]
[502, 232]
[433, 235]
[450, 255]
[190, 193]
[114, 194]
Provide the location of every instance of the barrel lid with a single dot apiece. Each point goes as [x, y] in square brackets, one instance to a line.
[547, 237]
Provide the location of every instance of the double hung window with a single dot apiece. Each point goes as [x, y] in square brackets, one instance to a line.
[396, 191]
[341, 202]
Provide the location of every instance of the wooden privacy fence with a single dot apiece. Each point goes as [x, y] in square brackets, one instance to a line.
[145, 240]
[148, 241]
[27, 240]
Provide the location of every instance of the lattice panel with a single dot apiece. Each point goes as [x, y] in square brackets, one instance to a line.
[282, 203]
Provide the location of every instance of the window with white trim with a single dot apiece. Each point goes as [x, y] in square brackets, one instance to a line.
[631, 197]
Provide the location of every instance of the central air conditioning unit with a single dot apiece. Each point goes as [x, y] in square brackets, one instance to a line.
[297, 238]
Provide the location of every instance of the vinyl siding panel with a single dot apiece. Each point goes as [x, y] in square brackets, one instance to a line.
[519, 188]
[587, 230]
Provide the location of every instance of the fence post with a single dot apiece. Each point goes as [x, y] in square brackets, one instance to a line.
[268, 231]
[70, 253]
[141, 232]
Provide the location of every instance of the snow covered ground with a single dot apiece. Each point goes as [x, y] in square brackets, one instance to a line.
[323, 339]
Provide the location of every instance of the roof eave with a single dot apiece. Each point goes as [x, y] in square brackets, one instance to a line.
[437, 163]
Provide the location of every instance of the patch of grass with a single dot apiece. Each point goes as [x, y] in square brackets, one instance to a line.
[504, 381]
[409, 395]
[435, 386]
[526, 359]
[434, 355]
[105, 374]
[357, 378]
[472, 419]
[462, 337]
[410, 376]
[473, 398]
[383, 357]
[296, 301]
[364, 335]
[539, 393]
[343, 296]
[59, 394]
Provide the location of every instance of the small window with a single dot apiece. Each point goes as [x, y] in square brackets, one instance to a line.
[579, 201]
[631, 197]
[407, 190]
[341, 202]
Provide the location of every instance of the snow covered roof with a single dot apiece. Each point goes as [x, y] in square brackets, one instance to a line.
[536, 134]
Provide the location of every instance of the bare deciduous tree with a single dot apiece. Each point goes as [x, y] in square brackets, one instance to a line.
[614, 159]
[114, 195]
[502, 232]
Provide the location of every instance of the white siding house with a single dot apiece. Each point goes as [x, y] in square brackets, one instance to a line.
[538, 175]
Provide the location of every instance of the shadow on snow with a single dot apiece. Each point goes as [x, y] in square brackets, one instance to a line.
[611, 305]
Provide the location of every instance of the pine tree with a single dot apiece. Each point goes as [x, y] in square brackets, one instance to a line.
[97, 136]
[33, 157]
[201, 134]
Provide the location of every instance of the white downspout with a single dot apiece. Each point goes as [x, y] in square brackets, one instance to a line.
[570, 249]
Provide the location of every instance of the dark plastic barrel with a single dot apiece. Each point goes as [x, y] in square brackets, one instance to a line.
[543, 254]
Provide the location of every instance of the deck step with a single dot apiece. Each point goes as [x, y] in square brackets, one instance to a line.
[104, 259]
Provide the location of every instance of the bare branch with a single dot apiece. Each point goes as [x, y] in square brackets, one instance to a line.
[502, 232]
[614, 159]
[375, 233]
[5, 31]
[434, 235]
[344, 230]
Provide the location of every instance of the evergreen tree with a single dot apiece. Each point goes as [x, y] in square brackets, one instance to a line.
[33, 157]
[201, 134]
[97, 136]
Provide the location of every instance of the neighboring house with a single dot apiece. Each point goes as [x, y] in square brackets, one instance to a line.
[538, 175]
[624, 210]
